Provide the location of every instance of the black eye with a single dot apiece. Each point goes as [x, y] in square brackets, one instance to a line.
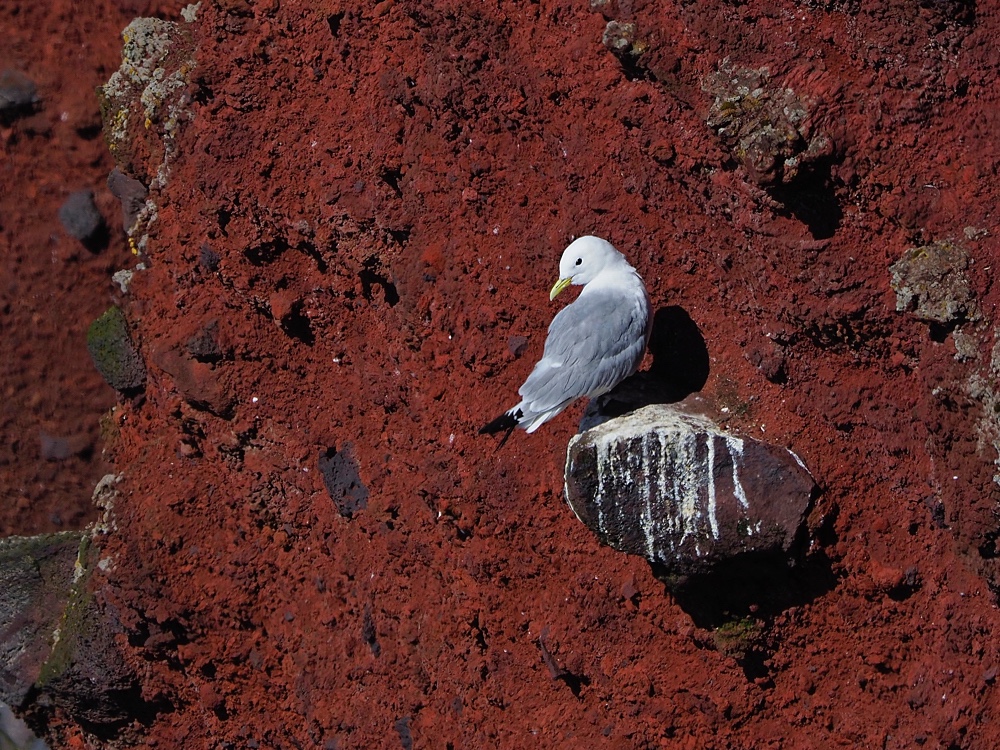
[579, 261]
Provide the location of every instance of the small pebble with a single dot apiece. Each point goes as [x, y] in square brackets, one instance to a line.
[80, 217]
[517, 344]
[208, 258]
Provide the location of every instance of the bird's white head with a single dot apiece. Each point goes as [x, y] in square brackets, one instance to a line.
[583, 260]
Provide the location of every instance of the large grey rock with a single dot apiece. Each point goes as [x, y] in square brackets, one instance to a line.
[58, 645]
[671, 486]
[36, 574]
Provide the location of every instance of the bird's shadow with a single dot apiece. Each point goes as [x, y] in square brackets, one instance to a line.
[680, 367]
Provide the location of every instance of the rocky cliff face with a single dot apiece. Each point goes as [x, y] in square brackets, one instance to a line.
[353, 218]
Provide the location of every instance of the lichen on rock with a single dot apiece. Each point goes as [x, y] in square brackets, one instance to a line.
[931, 284]
[84, 673]
[622, 38]
[983, 386]
[144, 104]
[147, 88]
[766, 128]
[113, 352]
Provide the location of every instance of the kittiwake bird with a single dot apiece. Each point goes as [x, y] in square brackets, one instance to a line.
[593, 344]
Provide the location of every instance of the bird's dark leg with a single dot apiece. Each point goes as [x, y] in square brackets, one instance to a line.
[505, 436]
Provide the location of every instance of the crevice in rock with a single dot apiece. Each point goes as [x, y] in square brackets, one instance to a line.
[371, 276]
[333, 21]
[297, 325]
[391, 177]
[266, 252]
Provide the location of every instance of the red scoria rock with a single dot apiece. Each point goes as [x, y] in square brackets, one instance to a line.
[337, 153]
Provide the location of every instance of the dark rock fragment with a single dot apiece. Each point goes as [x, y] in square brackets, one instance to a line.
[59, 448]
[769, 358]
[114, 354]
[204, 346]
[402, 727]
[80, 217]
[517, 344]
[670, 486]
[131, 193]
[18, 95]
[368, 632]
[343, 481]
[208, 258]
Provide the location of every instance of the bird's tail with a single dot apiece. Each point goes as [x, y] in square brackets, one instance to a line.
[505, 423]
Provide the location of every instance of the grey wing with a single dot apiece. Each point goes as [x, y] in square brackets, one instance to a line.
[591, 347]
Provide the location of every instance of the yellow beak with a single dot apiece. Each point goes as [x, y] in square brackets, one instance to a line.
[560, 285]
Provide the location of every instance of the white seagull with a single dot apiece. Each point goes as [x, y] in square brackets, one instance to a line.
[594, 343]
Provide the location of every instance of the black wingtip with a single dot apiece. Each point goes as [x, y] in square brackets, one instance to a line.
[505, 423]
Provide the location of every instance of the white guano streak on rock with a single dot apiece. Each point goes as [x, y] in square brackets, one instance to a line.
[649, 463]
[686, 486]
[609, 490]
[673, 508]
[566, 474]
[710, 482]
[736, 453]
[661, 487]
[602, 452]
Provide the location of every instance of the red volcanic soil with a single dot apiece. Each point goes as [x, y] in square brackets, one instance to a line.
[312, 547]
[51, 284]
